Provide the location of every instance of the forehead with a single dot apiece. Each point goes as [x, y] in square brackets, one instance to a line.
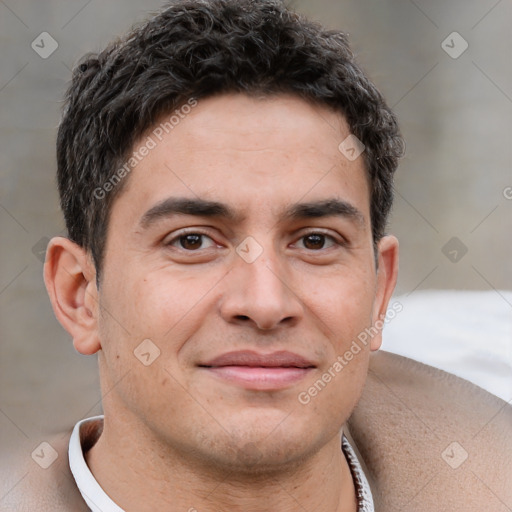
[252, 153]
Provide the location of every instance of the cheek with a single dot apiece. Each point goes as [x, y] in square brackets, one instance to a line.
[333, 395]
[160, 306]
[150, 303]
[344, 305]
[348, 313]
[145, 315]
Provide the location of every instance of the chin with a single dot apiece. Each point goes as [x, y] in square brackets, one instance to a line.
[261, 449]
[254, 459]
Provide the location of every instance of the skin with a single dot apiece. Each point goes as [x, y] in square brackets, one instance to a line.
[175, 434]
[408, 415]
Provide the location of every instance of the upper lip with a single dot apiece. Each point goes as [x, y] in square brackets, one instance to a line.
[250, 358]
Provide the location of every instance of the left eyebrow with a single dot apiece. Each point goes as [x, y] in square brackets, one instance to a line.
[326, 208]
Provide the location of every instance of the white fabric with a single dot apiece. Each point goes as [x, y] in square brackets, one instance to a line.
[91, 491]
[98, 500]
[467, 333]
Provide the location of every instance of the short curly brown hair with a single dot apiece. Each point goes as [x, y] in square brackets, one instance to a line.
[195, 49]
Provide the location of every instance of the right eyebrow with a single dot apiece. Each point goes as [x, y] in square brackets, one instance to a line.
[187, 206]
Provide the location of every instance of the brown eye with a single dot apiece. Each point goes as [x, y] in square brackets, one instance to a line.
[314, 241]
[191, 241]
[317, 241]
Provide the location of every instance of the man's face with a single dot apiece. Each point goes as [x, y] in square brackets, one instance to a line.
[243, 325]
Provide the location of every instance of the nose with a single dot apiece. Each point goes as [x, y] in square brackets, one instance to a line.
[261, 294]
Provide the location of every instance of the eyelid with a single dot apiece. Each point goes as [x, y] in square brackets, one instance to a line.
[176, 235]
[337, 238]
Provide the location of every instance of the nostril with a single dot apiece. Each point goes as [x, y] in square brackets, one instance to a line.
[242, 317]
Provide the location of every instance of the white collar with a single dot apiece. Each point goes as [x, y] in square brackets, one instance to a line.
[98, 500]
[363, 491]
[95, 497]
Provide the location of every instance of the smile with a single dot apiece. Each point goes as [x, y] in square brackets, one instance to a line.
[267, 372]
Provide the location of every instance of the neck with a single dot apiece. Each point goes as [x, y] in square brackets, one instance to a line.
[139, 473]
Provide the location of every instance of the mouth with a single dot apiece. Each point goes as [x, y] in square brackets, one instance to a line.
[252, 370]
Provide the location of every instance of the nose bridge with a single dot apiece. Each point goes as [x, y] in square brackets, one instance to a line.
[265, 277]
[258, 258]
[260, 289]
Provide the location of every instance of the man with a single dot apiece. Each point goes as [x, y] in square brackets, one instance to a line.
[225, 173]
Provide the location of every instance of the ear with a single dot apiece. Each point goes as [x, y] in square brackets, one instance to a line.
[387, 274]
[70, 279]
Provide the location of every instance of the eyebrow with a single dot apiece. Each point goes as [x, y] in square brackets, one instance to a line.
[186, 206]
[214, 209]
[325, 208]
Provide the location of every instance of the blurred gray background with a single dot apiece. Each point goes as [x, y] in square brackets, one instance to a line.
[453, 210]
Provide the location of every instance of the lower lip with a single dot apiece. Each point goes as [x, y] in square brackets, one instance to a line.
[259, 377]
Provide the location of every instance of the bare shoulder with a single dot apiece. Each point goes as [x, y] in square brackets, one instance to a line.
[43, 482]
[432, 441]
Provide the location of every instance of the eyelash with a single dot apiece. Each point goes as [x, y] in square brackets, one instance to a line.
[185, 233]
[176, 238]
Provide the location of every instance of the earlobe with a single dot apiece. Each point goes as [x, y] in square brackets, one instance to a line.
[70, 280]
[387, 274]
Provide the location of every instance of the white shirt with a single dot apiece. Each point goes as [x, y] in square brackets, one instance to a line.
[99, 501]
